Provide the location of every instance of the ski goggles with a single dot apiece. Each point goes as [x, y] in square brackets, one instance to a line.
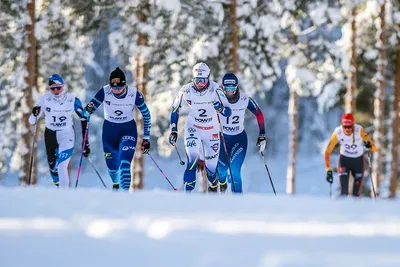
[117, 87]
[56, 87]
[347, 126]
[230, 88]
[200, 82]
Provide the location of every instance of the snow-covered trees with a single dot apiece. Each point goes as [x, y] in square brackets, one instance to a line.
[287, 53]
[38, 39]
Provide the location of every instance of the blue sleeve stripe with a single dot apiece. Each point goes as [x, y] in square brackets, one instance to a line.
[141, 105]
[143, 108]
[98, 102]
[145, 112]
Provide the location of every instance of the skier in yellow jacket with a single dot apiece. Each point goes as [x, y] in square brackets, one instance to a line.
[351, 138]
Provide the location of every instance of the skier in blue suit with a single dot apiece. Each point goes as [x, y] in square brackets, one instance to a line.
[235, 134]
[119, 127]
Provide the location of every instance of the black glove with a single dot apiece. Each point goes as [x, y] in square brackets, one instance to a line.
[145, 146]
[86, 150]
[90, 107]
[367, 145]
[36, 111]
[329, 176]
[261, 142]
[173, 137]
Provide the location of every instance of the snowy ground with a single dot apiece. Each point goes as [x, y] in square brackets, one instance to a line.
[90, 227]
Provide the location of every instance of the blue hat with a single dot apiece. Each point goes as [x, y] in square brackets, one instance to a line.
[230, 80]
[56, 79]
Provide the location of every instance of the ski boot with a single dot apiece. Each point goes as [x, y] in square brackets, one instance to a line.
[213, 188]
[223, 186]
[115, 187]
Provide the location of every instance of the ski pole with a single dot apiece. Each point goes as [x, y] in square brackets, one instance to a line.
[32, 150]
[165, 176]
[269, 175]
[228, 160]
[98, 174]
[370, 173]
[179, 155]
[83, 149]
[330, 190]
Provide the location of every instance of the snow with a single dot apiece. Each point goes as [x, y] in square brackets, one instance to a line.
[89, 227]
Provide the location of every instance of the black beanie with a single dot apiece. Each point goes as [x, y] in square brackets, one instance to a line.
[117, 77]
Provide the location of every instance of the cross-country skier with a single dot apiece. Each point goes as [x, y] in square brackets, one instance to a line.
[351, 138]
[119, 127]
[235, 134]
[59, 135]
[204, 98]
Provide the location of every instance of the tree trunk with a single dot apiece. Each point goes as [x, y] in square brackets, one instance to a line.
[396, 125]
[379, 103]
[350, 98]
[234, 49]
[142, 73]
[293, 131]
[293, 109]
[31, 84]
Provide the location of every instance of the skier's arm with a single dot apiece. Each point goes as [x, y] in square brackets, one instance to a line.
[255, 109]
[366, 138]
[96, 101]
[82, 113]
[33, 119]
[79, 110]
[332, 143]
[219, 105]
[176, 105]
[141, 105]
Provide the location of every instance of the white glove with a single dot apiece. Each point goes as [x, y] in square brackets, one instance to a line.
[261, 143]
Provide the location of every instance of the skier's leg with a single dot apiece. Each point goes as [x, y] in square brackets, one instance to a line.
[211, 152]
[201, 171]
[127, 149]
[66, 141]
[343, 175]
[222, 168]
[357, 169]
[110, 138]
[192, 147]
[50, 141]
[237, 156]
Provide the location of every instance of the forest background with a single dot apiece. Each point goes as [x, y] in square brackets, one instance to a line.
[305, 63]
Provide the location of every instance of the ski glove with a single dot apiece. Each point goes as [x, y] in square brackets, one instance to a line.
[86, 150]
[261, 143]
[90, 108]
[367, 145]
[36, 111]
[218, 107]
[145, 146]
[329, 176]
[173, 137]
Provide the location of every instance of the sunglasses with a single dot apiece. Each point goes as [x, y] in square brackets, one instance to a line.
[56, 88]
[200, 80]
[347, 126]
[230, 88]
[117, 87]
